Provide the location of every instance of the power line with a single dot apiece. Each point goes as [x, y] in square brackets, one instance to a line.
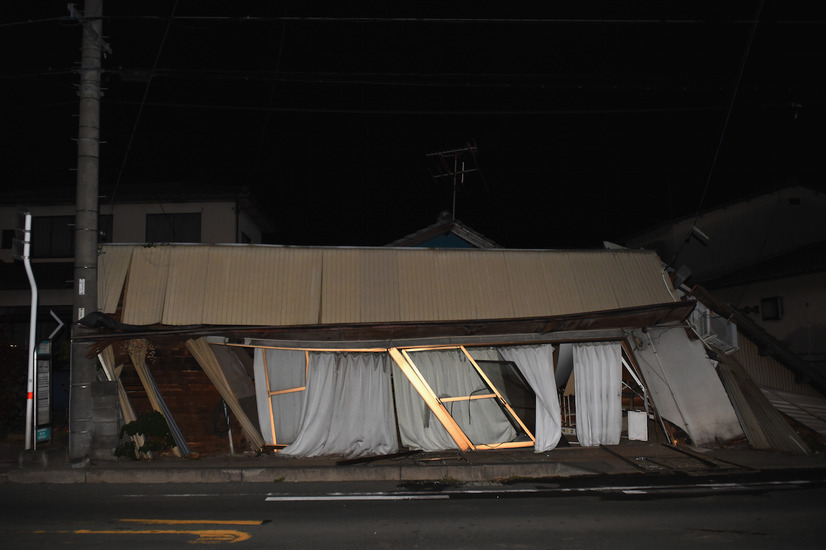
[440, 112]
[436, 20]
[140, 108]
[742, 67]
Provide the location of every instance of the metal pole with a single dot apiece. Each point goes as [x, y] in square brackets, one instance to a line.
[30, 385]
[86, 229]
[455, 160]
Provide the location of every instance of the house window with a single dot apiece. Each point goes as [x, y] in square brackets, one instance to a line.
[53, 237]
[8, 238]
[105, 228]
[173, 228]
[771, 309]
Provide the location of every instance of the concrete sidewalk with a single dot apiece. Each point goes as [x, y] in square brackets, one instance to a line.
[50, 465]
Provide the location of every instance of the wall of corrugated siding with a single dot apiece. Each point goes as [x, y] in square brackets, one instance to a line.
[262, 286]
[278, 286]
[112, 275]
[767, 371]
[143, 300]
[186, 285]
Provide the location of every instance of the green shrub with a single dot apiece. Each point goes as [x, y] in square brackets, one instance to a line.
[155, 431]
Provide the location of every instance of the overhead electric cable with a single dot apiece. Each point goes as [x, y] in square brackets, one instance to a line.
[273, 88]
[440, 112]
[723, 131]
[141, 106]
[456, 20]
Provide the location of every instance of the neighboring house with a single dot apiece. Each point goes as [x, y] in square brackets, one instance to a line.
[447, 232]
[150, 215]
[765, 256]
[173, 213]
[763, 378]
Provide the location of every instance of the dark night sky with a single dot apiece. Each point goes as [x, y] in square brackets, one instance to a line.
[592, 120]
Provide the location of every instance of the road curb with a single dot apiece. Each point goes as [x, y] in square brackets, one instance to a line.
[398, 473]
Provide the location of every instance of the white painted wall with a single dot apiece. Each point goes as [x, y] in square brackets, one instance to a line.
[742, 234]
[217, 220]
[803, 326]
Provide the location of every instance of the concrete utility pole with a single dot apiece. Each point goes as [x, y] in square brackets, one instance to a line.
[83, 371]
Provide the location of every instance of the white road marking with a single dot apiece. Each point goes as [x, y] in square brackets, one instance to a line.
[321, 498]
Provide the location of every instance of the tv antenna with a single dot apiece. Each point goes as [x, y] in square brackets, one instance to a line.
[453, 164]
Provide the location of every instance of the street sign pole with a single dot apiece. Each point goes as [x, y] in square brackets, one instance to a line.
[24, 238]
[43, 386]
[43, 393]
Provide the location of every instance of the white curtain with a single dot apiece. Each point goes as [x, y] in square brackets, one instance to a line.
[348, 409]
[450, 374]
[598, 381]
[418, 426]
[285, 370]
[536, 363]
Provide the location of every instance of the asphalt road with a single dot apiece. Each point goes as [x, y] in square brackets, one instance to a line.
[786, 514]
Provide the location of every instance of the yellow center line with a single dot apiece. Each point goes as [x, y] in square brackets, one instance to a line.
[205, 536]
[190, 521]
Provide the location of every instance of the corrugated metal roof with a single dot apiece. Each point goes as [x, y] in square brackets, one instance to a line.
[763, 425]
[112, 275]
[766, 371]
[146, 282]
[293, 286]
[809, 411]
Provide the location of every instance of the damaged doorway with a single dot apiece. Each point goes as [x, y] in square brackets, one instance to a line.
[603, 400]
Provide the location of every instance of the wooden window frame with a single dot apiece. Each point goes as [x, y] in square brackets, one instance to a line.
[408, 367]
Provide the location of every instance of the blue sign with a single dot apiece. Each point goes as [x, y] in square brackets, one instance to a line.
[44, 434]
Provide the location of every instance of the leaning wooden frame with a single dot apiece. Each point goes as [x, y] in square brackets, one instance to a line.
[436, 404]
[402, 359]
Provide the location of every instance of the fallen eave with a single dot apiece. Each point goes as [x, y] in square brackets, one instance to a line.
[627, 318]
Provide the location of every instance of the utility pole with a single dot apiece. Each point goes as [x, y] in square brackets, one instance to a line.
[83, 369]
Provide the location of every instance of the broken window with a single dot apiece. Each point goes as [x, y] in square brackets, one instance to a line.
[457, 392]
[514, 388]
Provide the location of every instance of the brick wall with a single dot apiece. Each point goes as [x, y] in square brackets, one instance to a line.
[189, 394]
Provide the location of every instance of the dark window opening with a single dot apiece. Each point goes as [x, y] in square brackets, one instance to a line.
[514, 388]
[8, 238]
[173, 228]
[771, 308]
[105, 228]
[53, 237]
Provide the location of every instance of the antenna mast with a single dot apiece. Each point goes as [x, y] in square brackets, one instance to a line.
[452, 164]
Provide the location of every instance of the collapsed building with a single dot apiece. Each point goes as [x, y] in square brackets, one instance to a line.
[359, 352]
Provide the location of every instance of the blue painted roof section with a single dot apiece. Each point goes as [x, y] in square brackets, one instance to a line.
[446, 241]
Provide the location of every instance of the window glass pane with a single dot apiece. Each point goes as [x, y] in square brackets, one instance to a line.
[513, 387]
[159, 228]
[173, 228]
[105, 228]
[188, 228]
[8, 238]
[52, 237]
